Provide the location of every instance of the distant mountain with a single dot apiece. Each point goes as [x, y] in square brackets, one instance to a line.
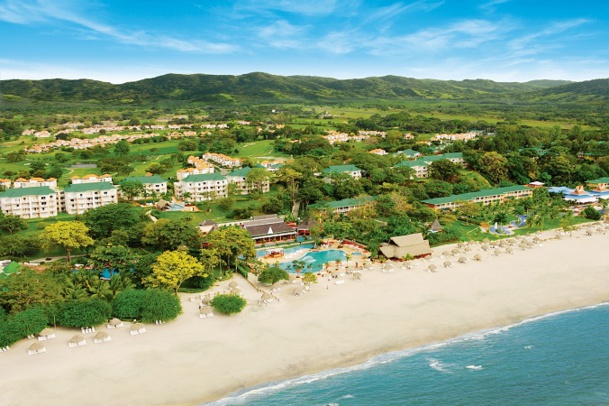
[263, 87]
[589, 91]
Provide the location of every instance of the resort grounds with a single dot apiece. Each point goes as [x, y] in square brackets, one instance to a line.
[339, 321]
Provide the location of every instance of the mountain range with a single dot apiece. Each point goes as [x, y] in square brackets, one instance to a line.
[263, 87]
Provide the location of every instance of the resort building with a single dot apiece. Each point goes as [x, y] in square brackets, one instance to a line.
[5, 183]
[222, 160]
[271, 166]
[379, 151]
[239, 178]
[343, 206]
[153, 184]
[30, 202]
[421, 166]
[197, 188]
[351, 170]
[80, 197]
[410, 154]
[600, 187]
[269, 229]
[34, 182]
[484, 197]
[75, 180]
[406, 246]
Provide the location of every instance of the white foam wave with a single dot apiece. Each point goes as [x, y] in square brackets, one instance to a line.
[274, 387]
[474, 367]
[349, 396]
[438, 365]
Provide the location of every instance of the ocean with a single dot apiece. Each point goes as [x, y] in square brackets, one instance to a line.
[557, 359]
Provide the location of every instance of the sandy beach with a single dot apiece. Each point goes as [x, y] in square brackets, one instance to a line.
[193, 360]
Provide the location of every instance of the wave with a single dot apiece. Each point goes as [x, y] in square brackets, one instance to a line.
[274, 387]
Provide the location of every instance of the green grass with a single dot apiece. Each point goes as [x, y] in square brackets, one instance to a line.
[258, 149]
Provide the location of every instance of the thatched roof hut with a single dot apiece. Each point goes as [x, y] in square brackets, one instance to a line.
[406, 245]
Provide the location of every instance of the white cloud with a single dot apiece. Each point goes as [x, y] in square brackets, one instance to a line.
[282, 34]
[308, 7]
[536, 42]
[491, 6]
[31, 12]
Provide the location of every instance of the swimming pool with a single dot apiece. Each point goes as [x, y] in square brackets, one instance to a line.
[286, 251]
[176, 207]
[315, 261]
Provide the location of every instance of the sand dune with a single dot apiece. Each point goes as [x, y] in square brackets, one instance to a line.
[193, 360]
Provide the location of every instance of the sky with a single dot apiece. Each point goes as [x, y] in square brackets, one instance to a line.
[126, 40]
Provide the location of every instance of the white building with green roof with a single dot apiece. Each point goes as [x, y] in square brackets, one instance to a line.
[484, 197]
[239, 178]
[153, 184]
[200, 187]
[78, 198]
[420, 166]
[343, 206]
[30, 202]
[351, 170]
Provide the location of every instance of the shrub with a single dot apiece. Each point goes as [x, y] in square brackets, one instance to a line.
[84, 313]
[30, 321]
[160, 305]
[591, 213]
[228, 304]
[128, 304]
[200, 282]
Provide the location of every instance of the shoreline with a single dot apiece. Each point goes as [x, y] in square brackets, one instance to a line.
[193, 361]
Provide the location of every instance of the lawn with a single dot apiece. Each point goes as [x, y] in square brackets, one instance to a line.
[259, 149]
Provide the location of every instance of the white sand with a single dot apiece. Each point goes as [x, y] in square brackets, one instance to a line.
[193, 360]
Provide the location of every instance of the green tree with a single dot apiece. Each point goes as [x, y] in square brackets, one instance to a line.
[12, 223]
[160, 306]
[24, 289]
[444, 170]
[31, 321]
[132, 189]
[172, 268]
[84, 313]
[257, 177]
[228, 304]
[493, 166]
[68, 234]
[272, 274]
[230, 243]
[128, 304]
[167, 235]
[309, 278]
[120, 216]
[122, 148]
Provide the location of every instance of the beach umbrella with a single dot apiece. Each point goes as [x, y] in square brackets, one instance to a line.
[236, 291]
[298, 291]
[77, 340]
[455, 251]
[498, 252]
[461, 244]
[137, 328]
[206, 312]
[36, 348]
[447, 264]
[357, 275]
[115, 323]
[101, 336]
[462, 260]
[485, 241]
[477, 257]
[467, 249]
[233, 285]
[509, 250]
[502, 243]
[206, 299]
[445, 254]
[432, 268]
[485, 247]
[588, 232]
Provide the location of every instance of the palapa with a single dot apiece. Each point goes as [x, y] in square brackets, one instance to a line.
[432, 268]
[406, 245]
[36, 348]
[115, 323]
[447, 264]
[477, 257]
[101, 336]
[77, 341]
[206, 312]
[462, 260]
[233, 285]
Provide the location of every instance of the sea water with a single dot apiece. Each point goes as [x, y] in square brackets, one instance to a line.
[557, 359]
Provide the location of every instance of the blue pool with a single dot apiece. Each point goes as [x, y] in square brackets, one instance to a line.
[315, 261]
[286, 251]
[176, 207]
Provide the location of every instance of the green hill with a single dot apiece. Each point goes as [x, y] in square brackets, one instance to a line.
[263, 87]
[589, 91]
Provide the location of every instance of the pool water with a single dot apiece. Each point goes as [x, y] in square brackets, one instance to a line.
[286, 251]
[315, 261]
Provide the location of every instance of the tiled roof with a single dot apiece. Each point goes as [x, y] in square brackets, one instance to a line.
[145, 179]
[27, 191]
[341, 168]
[474, 195]
[203, 177]
[87, 187]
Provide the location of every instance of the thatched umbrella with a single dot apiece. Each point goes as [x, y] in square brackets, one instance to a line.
[101, 336]
[485, 247]
[485, 241]
[509, 250]
[537, 240]
[461, 244]
[467, 249]
[36, 348]
[477, 257]
[46, 334]
[206, 311]
[455, 251]
[447, 264]
[115, 323]
[233, 285]
[445, 254]
[357, 275]
[77, 340]
[589, 232]
[432, 268]
[137, 328]
[502, 243]
[498, 252]
[298, 291]
[206, 299]
[462, 260]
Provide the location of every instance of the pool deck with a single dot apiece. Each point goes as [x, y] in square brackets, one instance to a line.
[349, 249]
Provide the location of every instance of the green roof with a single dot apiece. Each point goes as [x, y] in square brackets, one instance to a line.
[341, 169]
[145, 179]
[599, 180]
[356, 201]
[409, 152]
[410, 164]
[87, 187]
[240, 172]
[203, 177]
[474, 195]
[27, 191]
[433, 158]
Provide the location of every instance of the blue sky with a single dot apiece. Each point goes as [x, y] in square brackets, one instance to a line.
[125, 40]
